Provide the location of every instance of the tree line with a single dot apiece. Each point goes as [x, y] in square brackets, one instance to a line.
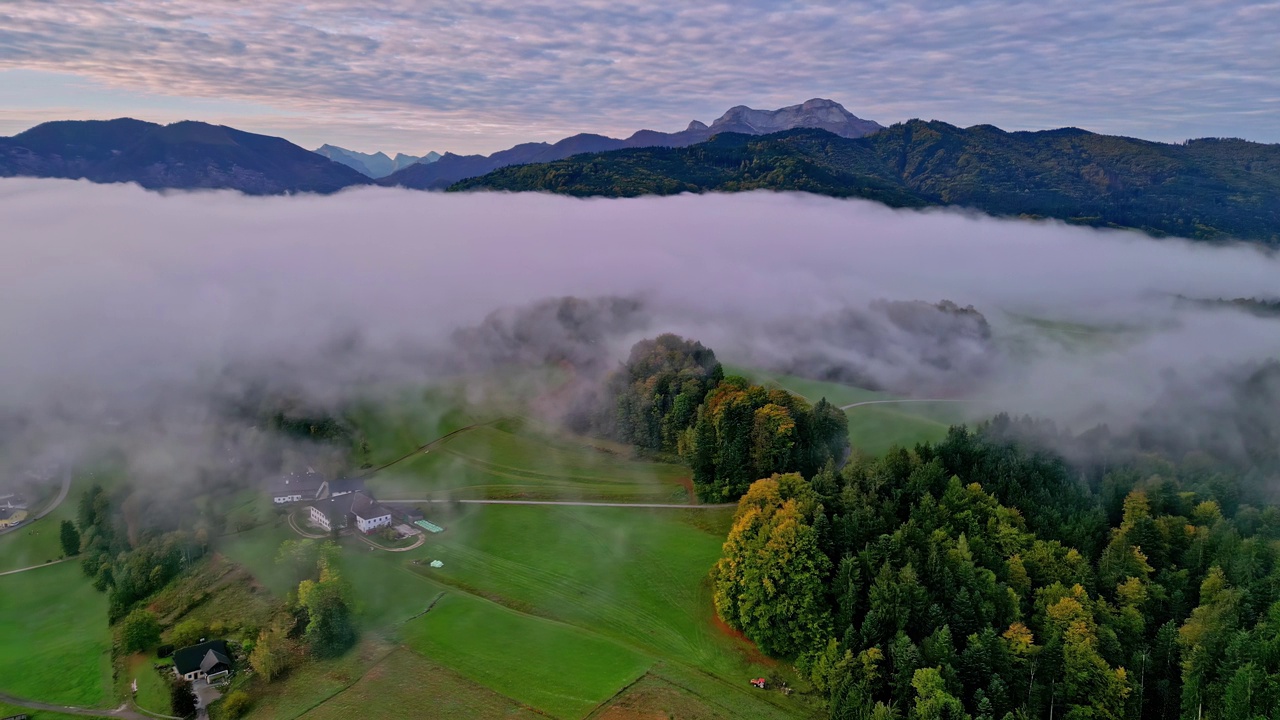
[672, 398]
[127, 571]
[985, 577]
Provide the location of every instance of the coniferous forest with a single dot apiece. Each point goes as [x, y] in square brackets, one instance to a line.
[986, 576]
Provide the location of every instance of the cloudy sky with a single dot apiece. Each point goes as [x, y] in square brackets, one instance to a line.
[419, 75]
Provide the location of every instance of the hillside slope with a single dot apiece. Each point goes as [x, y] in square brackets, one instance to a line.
[1206, 189]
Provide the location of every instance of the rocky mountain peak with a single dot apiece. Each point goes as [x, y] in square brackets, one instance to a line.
[815, 113]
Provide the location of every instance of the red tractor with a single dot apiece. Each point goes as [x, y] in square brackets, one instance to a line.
[759, 682]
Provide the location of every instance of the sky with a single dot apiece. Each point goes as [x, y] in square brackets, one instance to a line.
[416, 75]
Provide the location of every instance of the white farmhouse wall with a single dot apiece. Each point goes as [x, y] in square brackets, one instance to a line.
[319, 518]
[368, 524]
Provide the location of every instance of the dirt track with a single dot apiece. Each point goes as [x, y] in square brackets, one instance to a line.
[124, 711]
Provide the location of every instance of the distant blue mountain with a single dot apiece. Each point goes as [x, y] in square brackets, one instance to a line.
[377, 165]
[183, 155]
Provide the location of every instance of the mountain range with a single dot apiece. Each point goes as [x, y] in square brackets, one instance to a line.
[377, 165]
[1208, 189]
[816, 113]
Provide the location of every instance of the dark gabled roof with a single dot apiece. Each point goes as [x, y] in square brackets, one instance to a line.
[212, 660]
[366, 507]
[6, 513]
[358, 503]
[306, 484]
[189, 659]
[345, 485]
[334, 508]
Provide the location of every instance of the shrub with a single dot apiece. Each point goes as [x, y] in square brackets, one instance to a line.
[141, 630]
[187, 633]
[236, 704]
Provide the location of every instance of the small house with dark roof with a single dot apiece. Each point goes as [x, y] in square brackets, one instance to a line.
[206, 661]
[355, 509]
[293, 488]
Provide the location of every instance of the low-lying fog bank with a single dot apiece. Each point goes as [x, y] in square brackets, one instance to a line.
[118, 303]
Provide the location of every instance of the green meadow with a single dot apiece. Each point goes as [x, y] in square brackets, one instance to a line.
[55, 645]
[512, 458]
[878, 426]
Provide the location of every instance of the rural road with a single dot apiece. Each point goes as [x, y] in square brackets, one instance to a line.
[124, 711]
[569, 503]
[62, 495]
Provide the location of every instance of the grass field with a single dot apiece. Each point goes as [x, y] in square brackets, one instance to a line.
[153, 692]
[404, 684]
[516, 459]
[555, 608]
[54, 641]
[873, 429]
[559, 669]
[37, 541]
[310, 685]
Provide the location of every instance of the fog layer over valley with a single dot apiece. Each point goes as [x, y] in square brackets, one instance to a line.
[141, 310]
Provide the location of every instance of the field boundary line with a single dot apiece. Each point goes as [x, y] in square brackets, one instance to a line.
[352, 684]
[425, 447]
[604, 704]
[431, 605]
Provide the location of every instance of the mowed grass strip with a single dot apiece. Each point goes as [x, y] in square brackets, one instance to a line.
[406, 684]
[562, 670]
[55, 645]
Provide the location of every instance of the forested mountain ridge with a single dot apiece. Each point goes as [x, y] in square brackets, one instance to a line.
[1206, 189]
[815, 113]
